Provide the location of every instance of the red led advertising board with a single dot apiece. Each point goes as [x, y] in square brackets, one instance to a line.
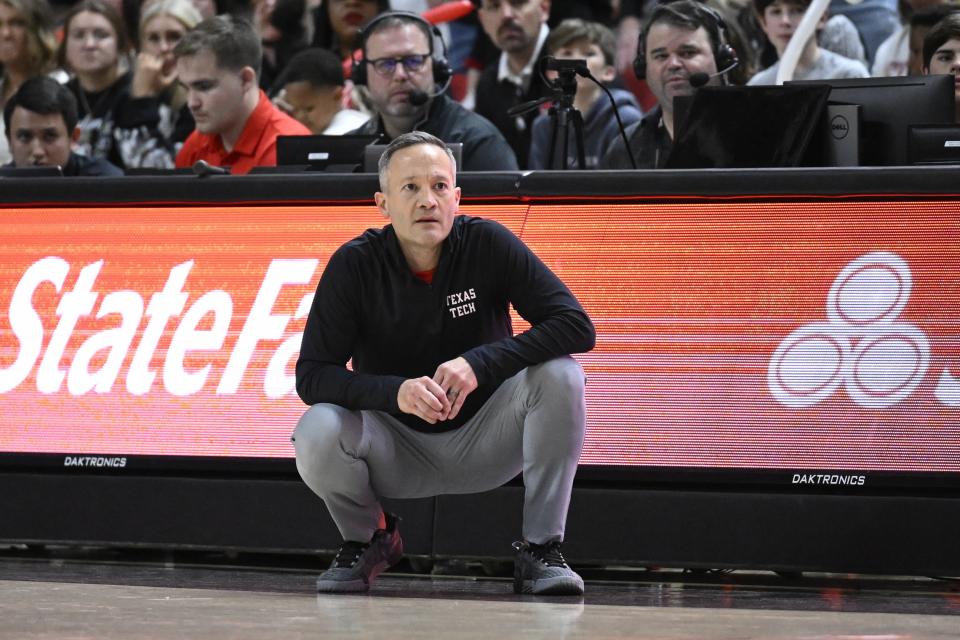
[730, 334]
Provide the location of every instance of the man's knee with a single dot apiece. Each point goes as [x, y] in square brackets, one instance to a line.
[560, 375]
[324, 429]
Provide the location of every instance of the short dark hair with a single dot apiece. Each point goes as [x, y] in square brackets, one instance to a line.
[684, 14]
[947, 29]
[317, 67]
[761, 5]
[573, 29]
[408, 140]
[99, 7]
[929, 17]
[233, 42]
[392, 20]
[46, 96]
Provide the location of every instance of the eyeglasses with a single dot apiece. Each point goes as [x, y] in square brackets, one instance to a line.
[411, 63]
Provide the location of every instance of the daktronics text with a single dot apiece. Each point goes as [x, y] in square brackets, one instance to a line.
[142, 325]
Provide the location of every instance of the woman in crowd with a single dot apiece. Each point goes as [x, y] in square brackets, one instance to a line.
[94, 50]
[155, 120]
[27, 49]
[337, 23]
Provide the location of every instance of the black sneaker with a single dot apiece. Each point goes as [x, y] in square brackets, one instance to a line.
[540, 569]
[358, 563]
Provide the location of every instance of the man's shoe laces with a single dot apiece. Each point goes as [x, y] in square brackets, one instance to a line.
[549, 554]
[349, 554]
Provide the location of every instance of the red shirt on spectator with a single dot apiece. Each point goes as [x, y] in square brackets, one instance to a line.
[256, 147]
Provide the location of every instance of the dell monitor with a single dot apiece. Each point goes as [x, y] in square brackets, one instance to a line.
[889, 107]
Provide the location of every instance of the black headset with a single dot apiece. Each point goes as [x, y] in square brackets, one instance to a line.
[723, 54]
[441, 68]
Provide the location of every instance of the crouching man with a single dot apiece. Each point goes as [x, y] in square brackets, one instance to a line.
[442, 397]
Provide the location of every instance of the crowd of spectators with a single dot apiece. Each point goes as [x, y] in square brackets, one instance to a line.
[150, 84]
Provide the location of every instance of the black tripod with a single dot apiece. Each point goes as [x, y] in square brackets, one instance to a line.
[563, 114]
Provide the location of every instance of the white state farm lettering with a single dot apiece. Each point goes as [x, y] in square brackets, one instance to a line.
[169, 303]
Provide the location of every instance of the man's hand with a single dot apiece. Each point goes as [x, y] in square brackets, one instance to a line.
[423, 398]
[457, 380]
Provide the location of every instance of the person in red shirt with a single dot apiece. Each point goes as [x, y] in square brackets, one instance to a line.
[218, 63]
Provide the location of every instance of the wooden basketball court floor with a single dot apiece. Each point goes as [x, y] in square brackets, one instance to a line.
[52, 596]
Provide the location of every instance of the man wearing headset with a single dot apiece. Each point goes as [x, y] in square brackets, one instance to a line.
[680, 39]
[406, 81]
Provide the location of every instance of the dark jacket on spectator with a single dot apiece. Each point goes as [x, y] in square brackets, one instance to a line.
[484, 148]
[149, 133]
[495, 97]
[98, 116]
[650, 143]
[600, 130]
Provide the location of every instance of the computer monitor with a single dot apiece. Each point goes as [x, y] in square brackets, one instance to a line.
[323, 153]
[933, 144]
[746, 127]
[889, 107]
[40, 171]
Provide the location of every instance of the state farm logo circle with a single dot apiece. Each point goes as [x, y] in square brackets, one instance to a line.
[863, 345]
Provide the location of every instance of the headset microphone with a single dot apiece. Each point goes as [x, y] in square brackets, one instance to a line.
[700, 78]
[418, 98]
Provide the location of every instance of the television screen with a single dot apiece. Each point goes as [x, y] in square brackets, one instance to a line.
[793, 342]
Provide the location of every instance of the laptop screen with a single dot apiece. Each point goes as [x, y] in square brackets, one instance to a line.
[321, 152]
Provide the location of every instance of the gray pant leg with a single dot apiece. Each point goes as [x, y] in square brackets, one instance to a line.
[330, 444]
[553, 433]
[351, 458]
[534, 423]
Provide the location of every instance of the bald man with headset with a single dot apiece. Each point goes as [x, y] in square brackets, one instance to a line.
[682, 46]
[406, 81]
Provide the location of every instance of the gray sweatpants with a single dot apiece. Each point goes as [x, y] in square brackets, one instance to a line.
[534, 423]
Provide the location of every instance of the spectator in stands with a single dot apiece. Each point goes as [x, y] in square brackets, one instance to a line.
[405, 82]
[921, 23]
[311, 90]
[779, 19]
[237, 126]
[27, 48]
[941, 52]
[840, 36]
[94, 48]
[875, 20]
[283, 33]
[519, 29]
[679, 39]
[154, 122]
[337, 23]
[893, 55]
[595, 43]
[41, 125]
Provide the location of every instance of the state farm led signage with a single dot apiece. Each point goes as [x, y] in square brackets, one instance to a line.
[796, 336]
